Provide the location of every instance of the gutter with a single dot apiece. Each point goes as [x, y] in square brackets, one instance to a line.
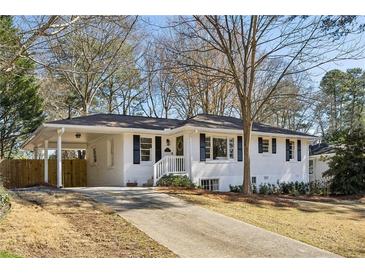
[115, 130]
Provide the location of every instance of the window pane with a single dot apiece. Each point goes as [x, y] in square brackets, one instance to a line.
[145, 152]
[219, 148]
[146, 146]
[207, 147]
[291, 150]
[146, 140]
[180, 146]
[265, 145]
[145, 158]
[231, 148]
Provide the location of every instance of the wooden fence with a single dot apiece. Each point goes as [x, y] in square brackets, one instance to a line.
[25, 173]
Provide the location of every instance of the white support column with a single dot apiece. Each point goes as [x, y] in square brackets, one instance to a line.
[46, 161]
[60, 131]
[190, 159]
[35, 153]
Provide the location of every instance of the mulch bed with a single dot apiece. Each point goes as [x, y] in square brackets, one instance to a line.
[234, 196]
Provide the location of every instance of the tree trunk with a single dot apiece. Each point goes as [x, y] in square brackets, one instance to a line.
[247, 125]
[86, 108]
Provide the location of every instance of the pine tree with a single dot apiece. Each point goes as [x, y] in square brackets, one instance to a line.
[347, 166]
[20, 104]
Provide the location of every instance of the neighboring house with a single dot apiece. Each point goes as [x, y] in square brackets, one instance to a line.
[207, 148]
[319, 155]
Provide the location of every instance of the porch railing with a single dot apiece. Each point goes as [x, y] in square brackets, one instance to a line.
[168, 165]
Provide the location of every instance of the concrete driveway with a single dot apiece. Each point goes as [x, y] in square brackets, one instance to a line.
[192, 231]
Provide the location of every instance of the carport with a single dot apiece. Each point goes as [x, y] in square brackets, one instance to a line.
[58, 137]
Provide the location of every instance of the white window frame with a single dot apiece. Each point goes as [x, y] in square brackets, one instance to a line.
[151, 149]
[110, 153]
[213, 181]
[268, 146]
[228, 138]
[293, 150]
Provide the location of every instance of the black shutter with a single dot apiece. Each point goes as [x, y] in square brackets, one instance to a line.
[202, 147]
[273, 141]
[287, 149]
[136, 149]
[299, 151]
[158, 150]
[260, 145]
[239, 149]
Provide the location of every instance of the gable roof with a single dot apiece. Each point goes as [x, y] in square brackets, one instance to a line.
[321, 148]
[200, 120]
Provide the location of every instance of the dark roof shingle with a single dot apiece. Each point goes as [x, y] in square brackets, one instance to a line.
[321, 148]
[200, 120]
[123, 121]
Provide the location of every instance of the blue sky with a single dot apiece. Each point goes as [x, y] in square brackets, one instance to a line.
[316, 73]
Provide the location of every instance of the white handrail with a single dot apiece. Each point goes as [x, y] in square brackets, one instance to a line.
[168, 165]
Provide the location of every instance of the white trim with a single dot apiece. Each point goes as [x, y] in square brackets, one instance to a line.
[269, 147]
[228, 137]
[105, 129]
[46, 161]
[152, 149]
[60, 132]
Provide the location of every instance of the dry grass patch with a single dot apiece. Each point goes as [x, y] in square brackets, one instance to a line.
[334, 225]
[51, 223]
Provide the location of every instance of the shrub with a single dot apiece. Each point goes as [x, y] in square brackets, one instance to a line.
[289, 188]
[4, 198]
[175, 181]
[319, 188]
[264, 189]
[235, 188]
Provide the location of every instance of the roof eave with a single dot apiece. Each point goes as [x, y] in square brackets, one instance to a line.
[34, 134]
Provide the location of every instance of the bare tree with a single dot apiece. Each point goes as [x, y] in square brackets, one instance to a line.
[88, 53]
[33, 31]
[122, 92]
[248, 43]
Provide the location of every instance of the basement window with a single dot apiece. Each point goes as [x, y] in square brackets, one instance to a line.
[209, 184]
